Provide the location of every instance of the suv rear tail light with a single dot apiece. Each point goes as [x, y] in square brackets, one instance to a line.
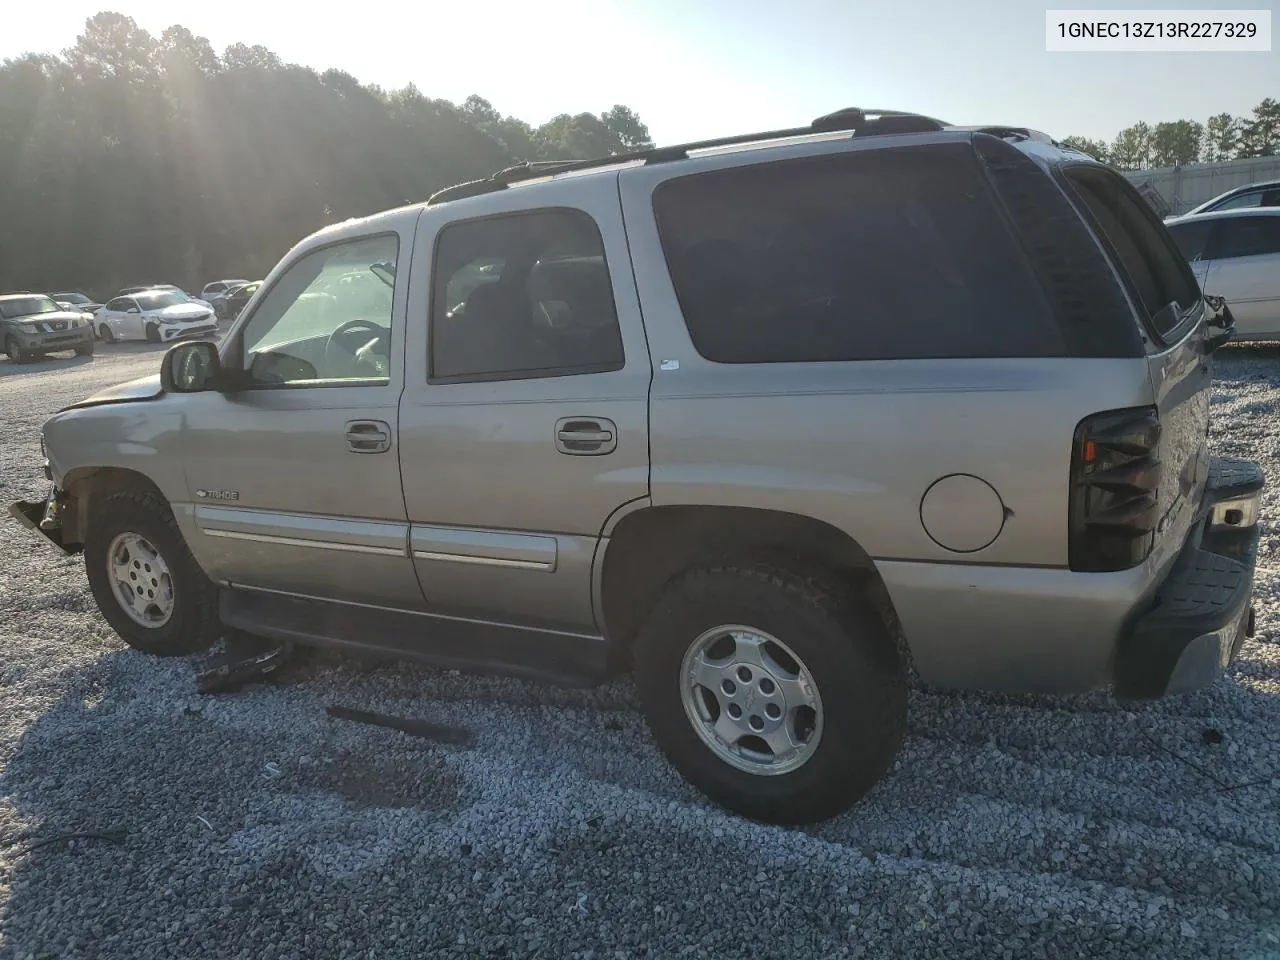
[1115, 484]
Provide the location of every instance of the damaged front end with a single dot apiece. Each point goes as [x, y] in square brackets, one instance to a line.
[45, 517]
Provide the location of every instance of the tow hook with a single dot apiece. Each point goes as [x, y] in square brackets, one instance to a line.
[51, 522]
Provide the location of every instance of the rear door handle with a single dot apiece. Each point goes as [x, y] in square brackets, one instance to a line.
[368, 436]
[586, 436]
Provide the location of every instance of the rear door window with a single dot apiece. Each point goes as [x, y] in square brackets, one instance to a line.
[1191, 238]
[1142, 250]
[866, 255]
[1246, 237]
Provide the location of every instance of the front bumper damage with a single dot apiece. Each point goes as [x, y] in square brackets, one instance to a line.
[45, 517]
[174, 332]
[1203, 610]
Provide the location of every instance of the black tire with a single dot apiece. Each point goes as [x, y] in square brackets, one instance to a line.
[84, 350]
[14, 351]
[153, 333]
[847, 650]
[105, 333]
[193, 625]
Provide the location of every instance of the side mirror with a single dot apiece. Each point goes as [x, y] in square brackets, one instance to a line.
[191, 367]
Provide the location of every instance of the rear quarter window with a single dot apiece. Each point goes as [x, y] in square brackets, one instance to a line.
[898, 253]
[1140, 247]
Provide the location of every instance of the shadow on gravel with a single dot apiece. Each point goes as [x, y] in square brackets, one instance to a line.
[63, 361]
[256, 827]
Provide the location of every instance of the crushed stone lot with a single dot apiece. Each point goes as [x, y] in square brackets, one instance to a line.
[254, 825]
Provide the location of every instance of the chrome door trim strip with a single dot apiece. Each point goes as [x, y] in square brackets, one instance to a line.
[299, 542]
[483, 561]
[508, 549]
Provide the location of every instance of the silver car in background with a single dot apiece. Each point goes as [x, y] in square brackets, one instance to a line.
[1250, 196]
[1236, 254]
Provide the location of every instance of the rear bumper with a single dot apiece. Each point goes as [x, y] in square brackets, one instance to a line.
[1145, 632]
[1202, 611]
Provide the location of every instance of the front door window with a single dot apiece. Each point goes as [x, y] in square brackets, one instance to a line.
[327, 320]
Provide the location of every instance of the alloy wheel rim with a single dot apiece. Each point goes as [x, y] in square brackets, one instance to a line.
[140, 580]
[751, 700]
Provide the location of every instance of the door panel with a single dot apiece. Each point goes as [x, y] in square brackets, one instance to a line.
[295, 479]
[310, 515]
[508, 482]
[1251, 286]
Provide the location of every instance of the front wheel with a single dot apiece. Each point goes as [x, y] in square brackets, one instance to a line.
[779, 695]
[105, 333]
[153, 333]
[144, 579]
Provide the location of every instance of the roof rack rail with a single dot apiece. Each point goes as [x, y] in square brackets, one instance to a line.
[1015, 133]
[855, 120]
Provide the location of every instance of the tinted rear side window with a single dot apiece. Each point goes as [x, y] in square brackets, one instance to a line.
[1246, 237]
[878, 254]
[1140, 245]
[1191, 238]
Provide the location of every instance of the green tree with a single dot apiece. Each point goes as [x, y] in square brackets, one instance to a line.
[1260, 135]
[581, 137]
[1176, 143]
[1094, 148]
[1132, 147]
[137, 159]
[1221, 139]
[625, 124]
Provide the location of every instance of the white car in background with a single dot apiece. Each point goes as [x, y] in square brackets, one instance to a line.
[159, 316]
[1235, 254]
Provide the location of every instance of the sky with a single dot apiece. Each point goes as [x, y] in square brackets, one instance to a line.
[702, 68]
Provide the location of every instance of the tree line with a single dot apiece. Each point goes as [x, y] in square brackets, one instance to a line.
[131, 158]
[1222, 137]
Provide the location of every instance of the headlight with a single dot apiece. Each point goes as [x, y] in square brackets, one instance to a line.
[29, 327]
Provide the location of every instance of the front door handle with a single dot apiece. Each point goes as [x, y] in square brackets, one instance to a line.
[368, 436]
[586, 436]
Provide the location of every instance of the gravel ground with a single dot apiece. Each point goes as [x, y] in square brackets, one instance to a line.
[258, 826]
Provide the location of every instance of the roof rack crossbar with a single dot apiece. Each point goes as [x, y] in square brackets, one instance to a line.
[851, 119]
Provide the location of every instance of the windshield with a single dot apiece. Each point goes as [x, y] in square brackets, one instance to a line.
[158, 301]
[26, 307]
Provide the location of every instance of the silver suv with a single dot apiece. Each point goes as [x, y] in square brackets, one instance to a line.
[776, 421]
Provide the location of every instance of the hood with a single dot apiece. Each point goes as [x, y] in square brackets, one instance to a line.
[60, 315]
[181, 311]
[144, 388]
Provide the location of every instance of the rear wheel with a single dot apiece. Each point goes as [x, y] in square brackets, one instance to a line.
[144, 579]
[153, 333]
[14, 350]
[778, 694]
